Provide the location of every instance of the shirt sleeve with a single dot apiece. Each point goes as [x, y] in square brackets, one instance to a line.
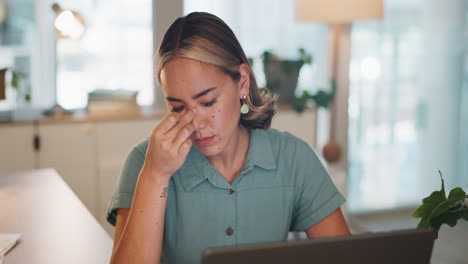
[316, 196]
[123, 194]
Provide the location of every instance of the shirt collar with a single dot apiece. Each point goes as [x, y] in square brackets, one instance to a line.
[197, 168]
[260, 151]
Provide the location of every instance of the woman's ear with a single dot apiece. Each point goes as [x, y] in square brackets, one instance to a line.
[244, 80]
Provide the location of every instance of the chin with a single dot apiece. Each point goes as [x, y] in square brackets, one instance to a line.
[209, 151]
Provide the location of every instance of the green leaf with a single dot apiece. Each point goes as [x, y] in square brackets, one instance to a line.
[432, 201]
[267, 56]
[464, 214]
[432, 206]
[437, 209]
[450, 218]
[298, 104]
[322, 98]
[305, 57]
[16, 77]
[15, 81]
[429, 204]
[457, 194]
[305, 96]
[443, 184]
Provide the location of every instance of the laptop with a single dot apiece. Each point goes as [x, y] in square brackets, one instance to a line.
[403, 246]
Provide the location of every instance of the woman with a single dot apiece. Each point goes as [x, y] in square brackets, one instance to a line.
[211, 173]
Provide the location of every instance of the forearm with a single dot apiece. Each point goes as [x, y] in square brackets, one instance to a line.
[141, 238]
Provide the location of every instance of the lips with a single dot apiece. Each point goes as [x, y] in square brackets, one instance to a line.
[204, 141]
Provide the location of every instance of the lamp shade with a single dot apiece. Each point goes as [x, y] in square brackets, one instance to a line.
[68, 24]
[338, 11]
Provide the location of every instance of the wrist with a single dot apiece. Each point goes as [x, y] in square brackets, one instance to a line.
[156, 177]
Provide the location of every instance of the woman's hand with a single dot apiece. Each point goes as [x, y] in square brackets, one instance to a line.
[169, 145]
[139, 231]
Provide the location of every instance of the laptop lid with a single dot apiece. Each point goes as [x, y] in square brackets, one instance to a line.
[403, 246]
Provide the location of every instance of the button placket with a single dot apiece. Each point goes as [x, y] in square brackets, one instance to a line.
[229, 230]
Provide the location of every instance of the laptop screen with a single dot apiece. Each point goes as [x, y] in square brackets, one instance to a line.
[404, 246]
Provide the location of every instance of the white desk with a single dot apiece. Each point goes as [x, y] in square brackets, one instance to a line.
[55, 226]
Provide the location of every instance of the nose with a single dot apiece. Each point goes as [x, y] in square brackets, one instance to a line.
[197, 121]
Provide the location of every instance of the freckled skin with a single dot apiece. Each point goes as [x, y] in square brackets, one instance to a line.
[183, 78]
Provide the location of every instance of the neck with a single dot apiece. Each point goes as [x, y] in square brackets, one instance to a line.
[230, 161]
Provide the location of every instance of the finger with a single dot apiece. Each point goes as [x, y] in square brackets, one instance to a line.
[167, 124]
[185, 119]
[183, 135]
[185, 147]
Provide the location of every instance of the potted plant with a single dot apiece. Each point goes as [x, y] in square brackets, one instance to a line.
[321, 98]
[438, 209]
[282, 74]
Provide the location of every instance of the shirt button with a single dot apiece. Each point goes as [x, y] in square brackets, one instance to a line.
[229, 231]
[230, 191]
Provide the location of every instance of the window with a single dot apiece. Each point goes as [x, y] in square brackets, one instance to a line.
[116, 51]
[17, 49]
[270, 24]
[408, 94]
[407, 105]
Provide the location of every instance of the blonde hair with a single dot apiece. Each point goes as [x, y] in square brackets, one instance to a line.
[205, 37]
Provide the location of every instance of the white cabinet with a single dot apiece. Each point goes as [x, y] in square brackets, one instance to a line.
[301, 125]
[16, 148]
[70, 148]
[115, 140]
[88, 155]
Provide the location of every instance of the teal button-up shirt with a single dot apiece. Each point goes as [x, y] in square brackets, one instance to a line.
[282, 187]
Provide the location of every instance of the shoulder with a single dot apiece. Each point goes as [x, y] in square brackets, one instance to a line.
[293, 153]
[276, 134]
[137, 152]
[140, 148]
[131, 168]
[285, 143]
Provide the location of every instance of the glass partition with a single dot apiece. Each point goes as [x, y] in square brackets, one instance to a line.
[115, 52]
[17, 50]
[407, 104]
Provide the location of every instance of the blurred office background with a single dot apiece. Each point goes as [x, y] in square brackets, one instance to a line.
[408, 109]
[408, 79]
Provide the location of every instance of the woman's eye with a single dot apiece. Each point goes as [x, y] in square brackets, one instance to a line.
[177, 109]
[209, 104]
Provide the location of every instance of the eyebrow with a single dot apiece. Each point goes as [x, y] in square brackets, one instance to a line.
[172, 99]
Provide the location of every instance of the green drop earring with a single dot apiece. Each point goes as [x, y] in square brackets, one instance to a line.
[245, 108]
